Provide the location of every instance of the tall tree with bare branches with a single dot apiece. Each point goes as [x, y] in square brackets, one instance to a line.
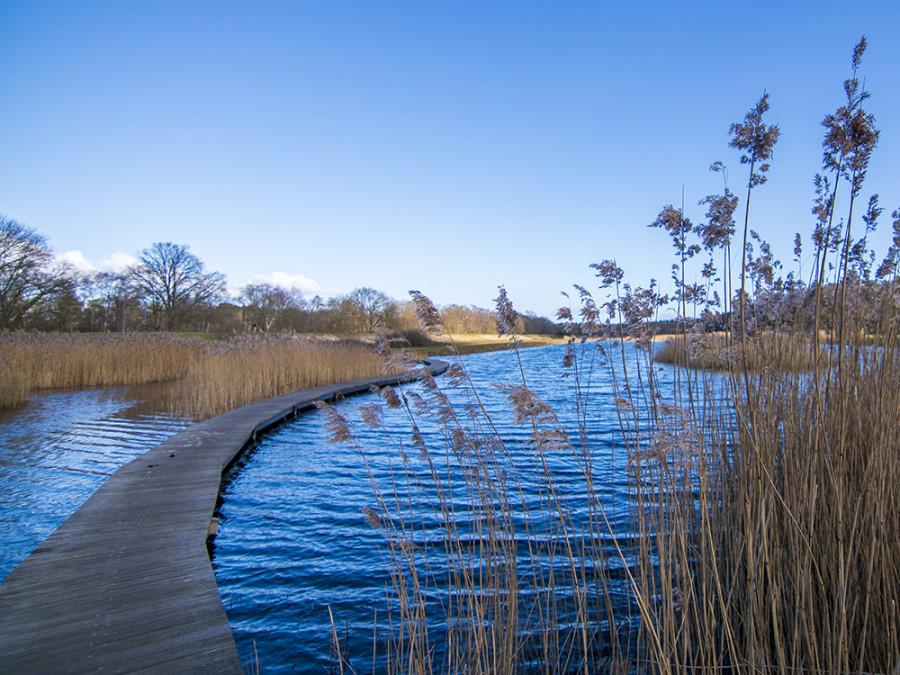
[29, 274]
[174, 282]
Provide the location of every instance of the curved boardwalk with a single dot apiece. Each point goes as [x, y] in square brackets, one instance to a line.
[125, 584]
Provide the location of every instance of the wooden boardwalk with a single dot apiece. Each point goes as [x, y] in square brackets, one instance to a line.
[125, 584]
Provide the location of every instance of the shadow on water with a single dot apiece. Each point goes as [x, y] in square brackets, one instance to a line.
[59, 448]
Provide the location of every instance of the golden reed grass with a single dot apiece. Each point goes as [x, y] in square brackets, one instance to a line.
[253, 368]
[775, 350]
[200, 378]
[808, 536]
[33, 362]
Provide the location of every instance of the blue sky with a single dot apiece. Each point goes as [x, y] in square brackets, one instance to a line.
[443, 147]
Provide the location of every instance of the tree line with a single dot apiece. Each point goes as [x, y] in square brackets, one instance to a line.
[169, 288]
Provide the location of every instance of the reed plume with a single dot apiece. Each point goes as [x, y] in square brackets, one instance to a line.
[762, 530]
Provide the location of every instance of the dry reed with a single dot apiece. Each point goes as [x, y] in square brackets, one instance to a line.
[775, 350]
[200, 378]
[252, 368]
[33, 362]
[766, 536]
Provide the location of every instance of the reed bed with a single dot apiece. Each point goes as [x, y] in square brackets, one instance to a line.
[776, 350]
[243, 370]
[764, 531]
[32, 362]
[197, 378]
[808, 537]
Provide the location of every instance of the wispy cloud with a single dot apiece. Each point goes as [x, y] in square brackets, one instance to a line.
[116, 262]
[299, 282]
[77, 260]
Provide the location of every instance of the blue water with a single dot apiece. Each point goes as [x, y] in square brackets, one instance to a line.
[57, 450]
[294, 542]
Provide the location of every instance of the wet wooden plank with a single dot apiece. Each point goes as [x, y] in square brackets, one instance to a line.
[125, 583]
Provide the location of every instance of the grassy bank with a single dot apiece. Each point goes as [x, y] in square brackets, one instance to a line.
[471, 343]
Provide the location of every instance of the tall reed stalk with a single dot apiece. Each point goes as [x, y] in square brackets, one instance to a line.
[764, 505]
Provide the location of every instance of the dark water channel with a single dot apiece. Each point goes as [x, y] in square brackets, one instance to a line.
[57, 450]
[293, 541]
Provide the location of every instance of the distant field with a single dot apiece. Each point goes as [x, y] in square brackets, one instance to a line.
[468, 343]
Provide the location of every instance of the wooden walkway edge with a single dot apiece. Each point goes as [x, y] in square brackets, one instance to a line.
[125, 584]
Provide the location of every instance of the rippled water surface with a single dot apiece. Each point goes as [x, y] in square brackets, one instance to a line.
[293, 541]
[57, 450]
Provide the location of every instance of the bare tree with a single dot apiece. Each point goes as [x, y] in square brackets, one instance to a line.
[471, 319]
[369, 308]
[29, 275]
[173, 282]
[111, 302]
[263, 304]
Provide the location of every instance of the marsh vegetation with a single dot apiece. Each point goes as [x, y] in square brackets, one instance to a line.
[195, 377]
[767, 532]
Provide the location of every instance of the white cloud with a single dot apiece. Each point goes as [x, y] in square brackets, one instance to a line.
[117, 262]
[77, 260]
[305, 285]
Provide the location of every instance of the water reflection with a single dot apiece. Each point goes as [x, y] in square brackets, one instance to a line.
[58, 449]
